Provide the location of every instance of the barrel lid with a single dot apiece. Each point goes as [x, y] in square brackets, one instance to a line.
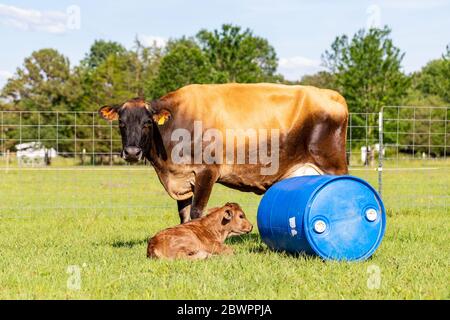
[345, 219]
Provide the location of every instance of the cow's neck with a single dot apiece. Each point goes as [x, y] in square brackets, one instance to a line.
[177, 181]
[157, 154]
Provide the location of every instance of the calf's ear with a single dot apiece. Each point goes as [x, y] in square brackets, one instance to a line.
[109, 113]
[228, 215]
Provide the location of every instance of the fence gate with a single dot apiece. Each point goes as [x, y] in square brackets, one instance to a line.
[414, 163]
[363, 144]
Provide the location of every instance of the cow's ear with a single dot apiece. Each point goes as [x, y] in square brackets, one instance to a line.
[161, 117]
[109, 113]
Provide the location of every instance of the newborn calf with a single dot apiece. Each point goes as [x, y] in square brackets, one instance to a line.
[199, 239]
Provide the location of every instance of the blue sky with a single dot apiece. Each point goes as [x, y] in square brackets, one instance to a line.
[299, 30]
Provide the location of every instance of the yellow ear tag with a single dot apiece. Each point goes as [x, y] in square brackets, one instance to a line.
[161, 117]
[162, 120]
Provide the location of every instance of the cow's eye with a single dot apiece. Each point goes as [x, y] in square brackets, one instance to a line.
[241, 216]
[121, 124]
[147, 124]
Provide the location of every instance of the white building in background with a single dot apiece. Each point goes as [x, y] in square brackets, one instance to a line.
[34, 154]
[368, 153]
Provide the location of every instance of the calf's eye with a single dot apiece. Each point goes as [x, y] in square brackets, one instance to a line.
[121, 124]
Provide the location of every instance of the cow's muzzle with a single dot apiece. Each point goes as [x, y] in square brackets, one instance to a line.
[132, 154]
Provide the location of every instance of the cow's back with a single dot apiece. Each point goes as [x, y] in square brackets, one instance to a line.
[244, 106]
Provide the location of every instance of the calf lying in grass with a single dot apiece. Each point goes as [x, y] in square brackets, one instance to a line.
[199, 239]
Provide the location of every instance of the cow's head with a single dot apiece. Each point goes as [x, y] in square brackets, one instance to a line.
[137, 120]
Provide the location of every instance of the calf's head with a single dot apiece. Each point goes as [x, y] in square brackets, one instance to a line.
[137, 121]
[234, 220]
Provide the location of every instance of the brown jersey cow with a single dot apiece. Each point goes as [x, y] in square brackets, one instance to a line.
[244, 136]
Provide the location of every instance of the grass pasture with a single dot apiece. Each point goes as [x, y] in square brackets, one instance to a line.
[97, 221]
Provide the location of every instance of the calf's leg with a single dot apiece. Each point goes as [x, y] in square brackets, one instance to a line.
[220, 248]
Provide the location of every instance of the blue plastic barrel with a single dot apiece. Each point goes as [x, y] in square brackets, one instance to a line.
[335, 217]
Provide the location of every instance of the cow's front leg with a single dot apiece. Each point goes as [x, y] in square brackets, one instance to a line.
[184, 209]
[204, 182]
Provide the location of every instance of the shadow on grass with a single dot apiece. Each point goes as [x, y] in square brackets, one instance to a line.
[245, 238]
[252, 240]
[257, 246]
[129, 244]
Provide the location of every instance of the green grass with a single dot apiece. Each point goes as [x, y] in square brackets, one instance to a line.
[100, 220]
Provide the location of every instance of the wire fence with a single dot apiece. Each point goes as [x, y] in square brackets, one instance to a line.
[69, 162]
[415, 163]
[80, 136]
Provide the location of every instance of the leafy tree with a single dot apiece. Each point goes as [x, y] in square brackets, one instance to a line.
[100, 51]
[114, 80]
[434, 79]
[184, 63]
[99, 71]
[367, 69]
[220, 56]
[150, 60]
[321, 79]
[118, 74]
[430, 87]
[44, 82]
[415, 97]
[239, 56]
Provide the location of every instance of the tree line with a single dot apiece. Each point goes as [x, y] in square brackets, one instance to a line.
[366, 68]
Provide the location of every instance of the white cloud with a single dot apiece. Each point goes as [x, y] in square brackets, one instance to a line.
[149, 40]
[294, 68]
[56, 22]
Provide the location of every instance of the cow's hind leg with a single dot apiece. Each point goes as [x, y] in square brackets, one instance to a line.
[193, 254]
[327, 145]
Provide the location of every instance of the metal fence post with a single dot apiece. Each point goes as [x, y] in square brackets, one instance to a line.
[7, 161]
[380, 152]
